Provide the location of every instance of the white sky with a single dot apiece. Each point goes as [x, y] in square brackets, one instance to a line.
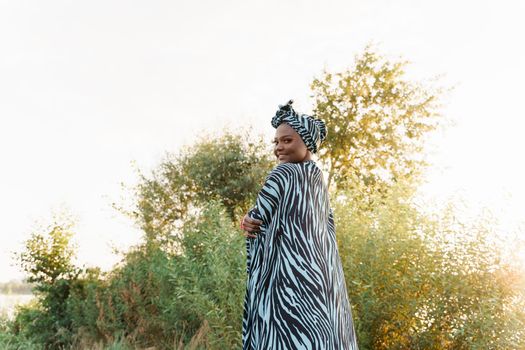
[88, 87]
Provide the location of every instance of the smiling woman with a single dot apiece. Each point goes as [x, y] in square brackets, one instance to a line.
[296, 296]
[289, 147]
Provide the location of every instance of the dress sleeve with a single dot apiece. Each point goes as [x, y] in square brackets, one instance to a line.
[270, 196]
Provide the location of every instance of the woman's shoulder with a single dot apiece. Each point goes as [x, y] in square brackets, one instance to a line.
[288, 169]
[285, 167]
[279, 171]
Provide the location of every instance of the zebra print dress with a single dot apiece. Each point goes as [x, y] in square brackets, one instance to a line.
[296, 296]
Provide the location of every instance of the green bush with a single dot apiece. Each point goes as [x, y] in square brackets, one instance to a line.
[11, 341]
[159, 298]
[209, 278]
[127, 303]
[422, 283]
[47, 258]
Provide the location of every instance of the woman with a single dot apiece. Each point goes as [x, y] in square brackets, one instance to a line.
[296, 296]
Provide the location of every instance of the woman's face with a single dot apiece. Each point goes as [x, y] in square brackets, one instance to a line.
[288, 145]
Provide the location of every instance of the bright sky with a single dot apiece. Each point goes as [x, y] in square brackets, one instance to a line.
[88, 87]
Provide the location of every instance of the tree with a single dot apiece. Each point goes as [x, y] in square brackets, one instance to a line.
[377, 121]
[47, 259]
[229, 169]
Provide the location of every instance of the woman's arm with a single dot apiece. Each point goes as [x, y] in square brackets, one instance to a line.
[267, 201]
[270, 195]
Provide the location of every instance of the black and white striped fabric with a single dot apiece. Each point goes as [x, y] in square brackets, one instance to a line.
[311, 130]
[296, 296]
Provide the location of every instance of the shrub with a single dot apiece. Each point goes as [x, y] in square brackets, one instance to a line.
[417, 282]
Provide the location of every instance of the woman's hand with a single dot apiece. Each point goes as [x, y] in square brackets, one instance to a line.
[250, 226]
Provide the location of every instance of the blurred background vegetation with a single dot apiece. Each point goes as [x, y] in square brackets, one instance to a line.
[415, 281]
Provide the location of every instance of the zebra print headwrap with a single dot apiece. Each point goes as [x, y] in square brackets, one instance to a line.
[312, 130]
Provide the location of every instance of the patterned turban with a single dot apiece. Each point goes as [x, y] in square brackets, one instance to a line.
[311, 130]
